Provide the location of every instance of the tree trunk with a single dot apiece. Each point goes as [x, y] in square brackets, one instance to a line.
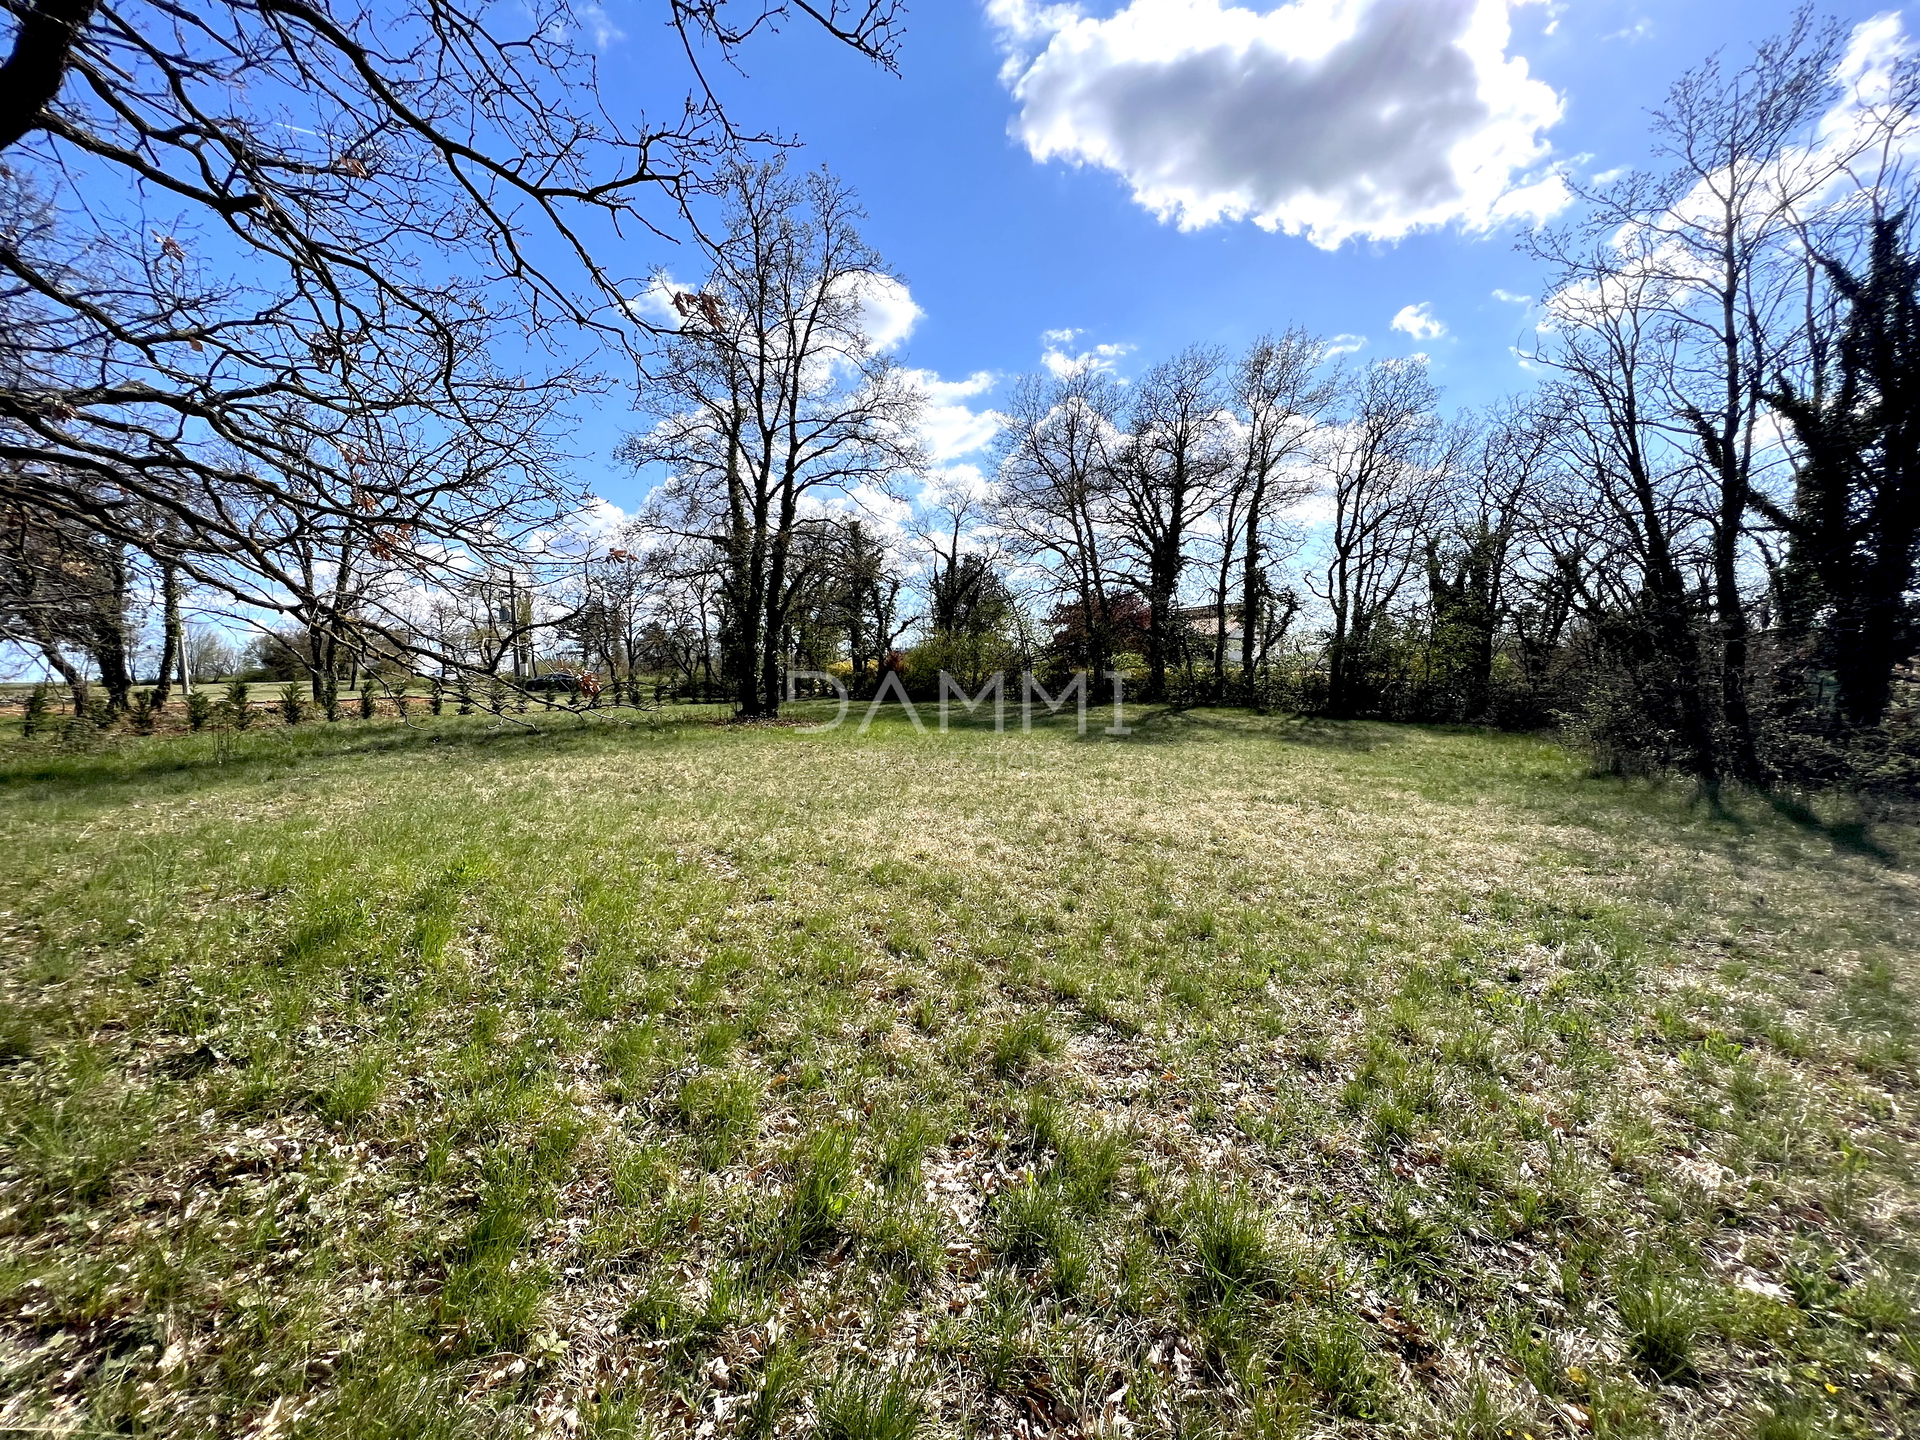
[110, 654]
[766, 704]
[1250, 598]
[173, 642]
[1337, 662]
[1222, 581]
[1156, 647]
[1163, 572]
[48, 30]
[74, 675]
[1869, 638]
[1732, 627]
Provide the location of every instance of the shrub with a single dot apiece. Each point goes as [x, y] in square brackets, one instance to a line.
[239, 714]
[81, 733]
[293, 705]
[366, 701]
[330, 696]
[199, 710]
[34, 715]
[436, 694]
[143, 712]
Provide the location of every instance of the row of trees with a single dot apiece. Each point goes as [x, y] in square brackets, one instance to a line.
[1692, 539]
[1711, 337]
[262, 267]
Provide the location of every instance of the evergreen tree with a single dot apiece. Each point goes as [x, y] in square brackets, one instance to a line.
[1854, 529]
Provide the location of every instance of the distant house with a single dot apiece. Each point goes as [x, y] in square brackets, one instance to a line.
[1203, 622]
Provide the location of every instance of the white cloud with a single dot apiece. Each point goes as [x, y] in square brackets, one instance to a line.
[1343, 345]
[1419, 321]
[1870, 74]
[887, 311]
[1509, 297]
[654, 305]
[949, 428]
[1060, 363]
[598, 25]
[1330, 118]
[601, 26]
[600, 522]
[956, 482]
[590, 530]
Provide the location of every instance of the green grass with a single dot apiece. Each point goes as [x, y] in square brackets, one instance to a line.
[1247, 1077]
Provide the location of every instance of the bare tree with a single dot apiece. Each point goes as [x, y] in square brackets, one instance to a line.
[1714, 255]
[1472, 560]
[273, 321]
[860, 594]
[1055, 502]
[682, 585]
[953, 529]
[606, 616]
[64, 594]
[770, 400]
[1387, 463]
[1167, 472]
[1279, 397]
[1632, 510]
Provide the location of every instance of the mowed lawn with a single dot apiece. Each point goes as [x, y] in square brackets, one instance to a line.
[1248, 1076]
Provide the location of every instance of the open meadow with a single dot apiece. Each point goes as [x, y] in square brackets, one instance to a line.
[1247, 1076]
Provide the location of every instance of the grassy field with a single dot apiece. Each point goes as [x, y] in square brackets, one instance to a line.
[1245, 1077]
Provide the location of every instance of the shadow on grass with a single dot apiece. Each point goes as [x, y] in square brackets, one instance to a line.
[1739, 812]
[1172, 724]
[26, 765]
[1852, 835]
[1146, 724]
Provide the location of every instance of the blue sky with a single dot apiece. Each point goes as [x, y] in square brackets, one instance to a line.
[1187, 104]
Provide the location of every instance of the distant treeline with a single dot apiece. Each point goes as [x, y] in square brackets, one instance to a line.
[1690, 544]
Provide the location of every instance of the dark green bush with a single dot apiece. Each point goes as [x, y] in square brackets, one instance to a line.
[34, 715]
